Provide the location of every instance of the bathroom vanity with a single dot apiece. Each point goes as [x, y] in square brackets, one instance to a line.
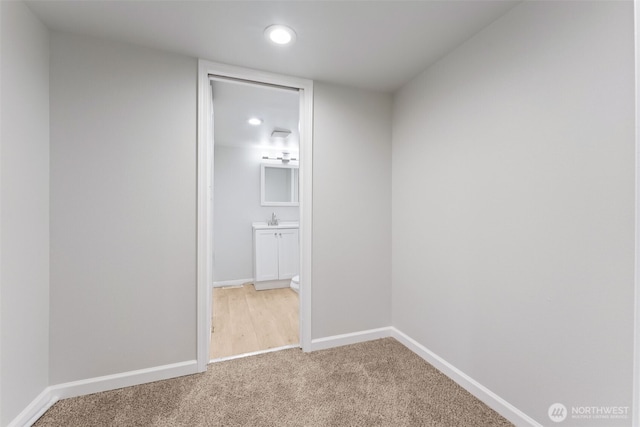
[276, 254]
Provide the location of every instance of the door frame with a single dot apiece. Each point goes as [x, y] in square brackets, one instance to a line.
[635, 410]
[204, 235]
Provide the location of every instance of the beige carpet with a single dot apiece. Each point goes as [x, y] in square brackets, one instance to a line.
[376, 383]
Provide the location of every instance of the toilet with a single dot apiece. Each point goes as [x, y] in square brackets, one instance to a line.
[295, 283]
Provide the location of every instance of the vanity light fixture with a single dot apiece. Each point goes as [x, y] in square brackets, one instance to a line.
[284, 158]
[254, 121]
[280, 34]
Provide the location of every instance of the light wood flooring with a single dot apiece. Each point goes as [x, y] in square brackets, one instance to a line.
[246, 320]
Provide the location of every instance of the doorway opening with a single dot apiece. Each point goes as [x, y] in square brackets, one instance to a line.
[256, 263]
[261, 171]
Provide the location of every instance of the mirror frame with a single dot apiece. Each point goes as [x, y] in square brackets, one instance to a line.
[264, 202]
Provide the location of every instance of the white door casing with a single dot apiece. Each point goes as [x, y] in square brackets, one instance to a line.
[204, 261]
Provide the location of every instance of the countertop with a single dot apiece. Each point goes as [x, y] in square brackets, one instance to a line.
[282, 224]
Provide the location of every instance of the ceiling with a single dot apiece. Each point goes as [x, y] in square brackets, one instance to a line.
[377, 45]
[233, 105]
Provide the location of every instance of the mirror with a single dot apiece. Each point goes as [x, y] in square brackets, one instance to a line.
[278, 185]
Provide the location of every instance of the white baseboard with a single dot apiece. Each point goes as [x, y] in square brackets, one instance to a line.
[35, 409]
[125, 379]
[236, 282]
[491, 399]
[352, 338]
[52, 394]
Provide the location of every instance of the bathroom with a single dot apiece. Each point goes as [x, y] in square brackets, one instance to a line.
[256, 218]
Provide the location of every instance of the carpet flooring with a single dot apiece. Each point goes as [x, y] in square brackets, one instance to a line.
[375, 383]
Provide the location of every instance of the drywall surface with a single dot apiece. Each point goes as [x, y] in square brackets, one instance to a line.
[513, 208]
[123, 208]
[24, 209]
[236, 205]
[351, 210]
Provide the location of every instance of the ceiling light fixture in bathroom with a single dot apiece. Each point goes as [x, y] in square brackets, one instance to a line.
[280, 34]
[254, 121]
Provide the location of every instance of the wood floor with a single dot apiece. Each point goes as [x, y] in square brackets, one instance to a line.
[246, 320]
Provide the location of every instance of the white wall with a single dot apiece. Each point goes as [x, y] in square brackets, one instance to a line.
[236, 205]
[123, 208]
[351, 210]
[24, 209]
[513, 207]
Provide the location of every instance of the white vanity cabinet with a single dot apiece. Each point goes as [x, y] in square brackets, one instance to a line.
[275, 255]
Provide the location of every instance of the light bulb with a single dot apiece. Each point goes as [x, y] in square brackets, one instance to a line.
[280, 34]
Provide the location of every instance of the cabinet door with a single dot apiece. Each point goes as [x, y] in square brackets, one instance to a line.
[289, 255]
[266, 255]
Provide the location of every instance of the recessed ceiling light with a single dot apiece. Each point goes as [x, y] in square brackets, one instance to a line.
[255, 121]
[280, 34]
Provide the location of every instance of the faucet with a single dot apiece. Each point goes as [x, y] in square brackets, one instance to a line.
[273, 220]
